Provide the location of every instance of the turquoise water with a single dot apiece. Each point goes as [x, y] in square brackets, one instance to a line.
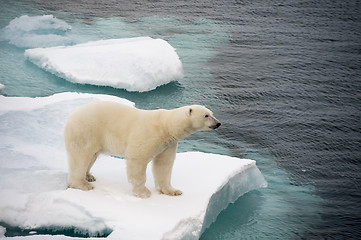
[263, 69]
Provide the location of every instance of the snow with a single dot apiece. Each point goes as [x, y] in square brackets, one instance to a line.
[36, 31]
[33, 181]
[135, 64]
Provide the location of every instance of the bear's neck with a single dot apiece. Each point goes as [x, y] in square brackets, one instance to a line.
[177, 127]
[182, 133]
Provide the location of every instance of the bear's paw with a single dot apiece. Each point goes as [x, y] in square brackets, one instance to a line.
[83, 185]
[142, 193]
[90, 178]
[170, 191]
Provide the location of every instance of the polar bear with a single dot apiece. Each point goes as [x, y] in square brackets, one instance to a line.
[140, 136]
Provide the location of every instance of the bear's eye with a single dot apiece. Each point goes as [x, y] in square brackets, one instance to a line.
[206, 115]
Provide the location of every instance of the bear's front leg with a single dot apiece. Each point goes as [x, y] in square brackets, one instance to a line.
[162, 171]
[136, 171]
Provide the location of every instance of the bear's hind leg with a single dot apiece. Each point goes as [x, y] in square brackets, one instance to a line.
[78, 167]
[90, 177]
[136, 171]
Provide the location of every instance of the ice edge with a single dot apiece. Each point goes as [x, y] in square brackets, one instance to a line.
[240, 183]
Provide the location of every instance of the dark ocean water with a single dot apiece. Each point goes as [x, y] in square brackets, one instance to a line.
[285, 78]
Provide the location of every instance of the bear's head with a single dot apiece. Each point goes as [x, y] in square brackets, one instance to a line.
[202, 118]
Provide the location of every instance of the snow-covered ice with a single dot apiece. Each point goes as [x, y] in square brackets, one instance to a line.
[36, 31]
[33, 180]
[135, 64]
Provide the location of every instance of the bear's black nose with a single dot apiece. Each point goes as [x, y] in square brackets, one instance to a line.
[218, 124]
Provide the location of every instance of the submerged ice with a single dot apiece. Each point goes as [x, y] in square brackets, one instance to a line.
[36, 31]
[135, 64]
[34, 170]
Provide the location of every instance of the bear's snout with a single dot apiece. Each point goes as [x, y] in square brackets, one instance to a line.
[217, 125]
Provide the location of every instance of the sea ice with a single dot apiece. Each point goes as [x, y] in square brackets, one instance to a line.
[33, 180]
[36, 31]
[135, 64]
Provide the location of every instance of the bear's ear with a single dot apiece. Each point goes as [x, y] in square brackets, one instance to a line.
[189, 112]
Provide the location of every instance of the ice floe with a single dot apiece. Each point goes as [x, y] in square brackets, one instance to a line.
[34, 169]
[135, 64]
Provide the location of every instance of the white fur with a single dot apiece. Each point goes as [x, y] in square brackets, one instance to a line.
[139, 135]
